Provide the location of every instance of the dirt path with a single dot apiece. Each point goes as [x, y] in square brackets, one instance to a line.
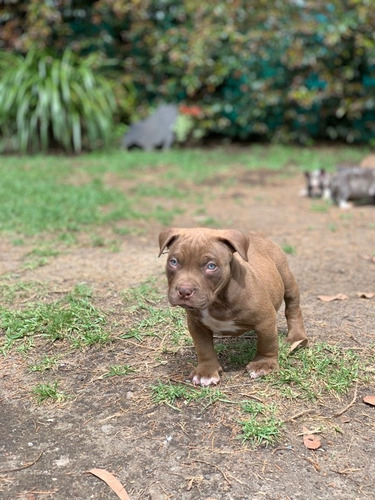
[157, 452]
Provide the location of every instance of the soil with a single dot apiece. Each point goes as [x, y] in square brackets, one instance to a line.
[157, 452]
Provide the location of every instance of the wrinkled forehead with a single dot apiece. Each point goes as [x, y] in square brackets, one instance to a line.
[192, 245]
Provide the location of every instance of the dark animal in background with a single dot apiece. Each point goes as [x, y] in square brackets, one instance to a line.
[155, 131]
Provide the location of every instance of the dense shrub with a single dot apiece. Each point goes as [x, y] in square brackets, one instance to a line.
[285, 70]
[53, 102]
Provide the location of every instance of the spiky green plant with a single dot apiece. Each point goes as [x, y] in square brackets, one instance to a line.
[54, 101]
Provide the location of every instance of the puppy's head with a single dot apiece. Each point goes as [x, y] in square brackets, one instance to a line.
[199, 263]
[317, 181]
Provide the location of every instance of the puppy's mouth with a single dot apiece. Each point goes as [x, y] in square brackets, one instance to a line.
[188, 307]
[195, 302]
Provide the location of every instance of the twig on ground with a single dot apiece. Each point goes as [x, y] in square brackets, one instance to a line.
[352, 402]
[30, 464]
[216, 467]
[297, 415]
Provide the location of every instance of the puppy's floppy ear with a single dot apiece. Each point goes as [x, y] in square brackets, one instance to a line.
[166, 237]
[238, 241]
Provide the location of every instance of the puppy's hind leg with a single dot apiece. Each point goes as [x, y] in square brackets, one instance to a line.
[296, 329]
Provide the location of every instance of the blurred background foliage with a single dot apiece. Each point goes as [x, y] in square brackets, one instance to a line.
[273, 70]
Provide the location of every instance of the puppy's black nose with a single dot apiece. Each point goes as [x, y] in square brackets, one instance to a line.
[185, 292]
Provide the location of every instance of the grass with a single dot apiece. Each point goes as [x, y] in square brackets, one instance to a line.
[169, 393]
[19, 290]
[39, 257]
[44, 364]
[119, 371]
[62, 196]
[48, 393]
[149, 318]
[73, 318]
[311, 373]
[238, 352]
[262, 426]
[288, 249]
[46, 203]
[308, 375]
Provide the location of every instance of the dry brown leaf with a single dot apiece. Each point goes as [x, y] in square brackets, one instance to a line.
[370, 400]
[330, 298]
[112, 482]
[310, 441]
[297, 345]
[371, 258]
[365, 295]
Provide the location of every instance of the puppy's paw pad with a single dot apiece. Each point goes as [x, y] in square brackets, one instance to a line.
[205, 381]
[258, 369]
[257, 374]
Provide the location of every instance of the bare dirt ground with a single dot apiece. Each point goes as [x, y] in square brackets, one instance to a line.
[159, 453]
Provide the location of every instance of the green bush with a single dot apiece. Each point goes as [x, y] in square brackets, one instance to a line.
[48, 101]
[288, 71]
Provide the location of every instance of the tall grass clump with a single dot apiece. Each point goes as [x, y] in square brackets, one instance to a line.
[54, 102]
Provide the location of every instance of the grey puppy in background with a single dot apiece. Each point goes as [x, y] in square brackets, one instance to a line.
[352, 184]
[348, 183]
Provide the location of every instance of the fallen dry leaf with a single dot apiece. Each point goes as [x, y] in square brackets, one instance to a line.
[297, 345]
[371, 258]
[365, 295]
[310, 441]
[369, 400]
[112, 482]
[330, 298]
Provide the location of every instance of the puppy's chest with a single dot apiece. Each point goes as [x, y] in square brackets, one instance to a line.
[218, 326]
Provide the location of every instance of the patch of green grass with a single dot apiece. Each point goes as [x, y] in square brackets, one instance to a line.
[37, 199]
[119, 371]
[122, 231]
[262, 428]
[237, 353]
[38, 257]
[211, 222]
[321, 207]
[169, 393]
[288, 249]
[165, 216]
[73, 318]
[18, 290]
[309, 373]
[150, 316]
[46, 363]
[48, 392]
[346, 216]
[163, 191]
[18, 242]
[63, 195]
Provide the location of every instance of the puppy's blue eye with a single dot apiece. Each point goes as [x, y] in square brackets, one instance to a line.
[211, 266]
[173, 262]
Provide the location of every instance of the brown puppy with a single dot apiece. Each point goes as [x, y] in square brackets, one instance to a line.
[231, 283]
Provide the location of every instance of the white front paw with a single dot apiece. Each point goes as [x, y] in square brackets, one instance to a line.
[205, 381]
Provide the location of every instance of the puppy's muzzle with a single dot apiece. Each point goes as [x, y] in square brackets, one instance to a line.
[185, 292]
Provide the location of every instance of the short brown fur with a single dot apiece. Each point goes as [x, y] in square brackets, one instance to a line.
[231, 283]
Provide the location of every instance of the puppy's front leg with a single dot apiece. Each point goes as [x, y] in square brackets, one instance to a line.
[208, 370]
[265, 360]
